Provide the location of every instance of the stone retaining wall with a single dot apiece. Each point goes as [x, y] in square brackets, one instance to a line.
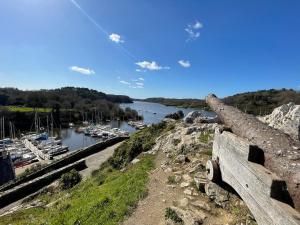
[71, 158]
[25, 189]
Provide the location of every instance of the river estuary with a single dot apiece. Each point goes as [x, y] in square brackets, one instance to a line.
[151, 112]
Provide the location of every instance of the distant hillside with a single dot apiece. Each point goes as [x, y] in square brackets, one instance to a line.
[264, 101]
[68, 104]
[258, 103]
[184, 103]
[66, 97]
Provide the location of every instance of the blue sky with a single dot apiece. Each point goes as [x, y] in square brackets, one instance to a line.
[168, 48]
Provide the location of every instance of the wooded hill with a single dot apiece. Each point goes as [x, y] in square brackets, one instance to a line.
[258, 103]
[68, 104]
[66, 97]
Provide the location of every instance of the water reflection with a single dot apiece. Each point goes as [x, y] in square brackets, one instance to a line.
[151, 112]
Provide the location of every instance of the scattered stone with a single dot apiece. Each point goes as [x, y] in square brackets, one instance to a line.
[179, 172]
[201, 205]
[135, 161]
[181, 159]
[190, 217]
[217, 194]
[184, 202]
[190, 130]
[199, 117]
[188, 191]
[200, 184]
[184, 184]
[175, 116]
[168, 170]
[177, 178]
[187, 178]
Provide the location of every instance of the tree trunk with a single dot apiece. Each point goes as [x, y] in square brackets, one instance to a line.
[282, 153]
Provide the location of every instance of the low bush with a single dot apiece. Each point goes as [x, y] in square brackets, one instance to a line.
[69, 180]
[172, 215]
[139, 142]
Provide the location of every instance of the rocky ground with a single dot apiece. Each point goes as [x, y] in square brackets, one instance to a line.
[178, 190]
[285, 118]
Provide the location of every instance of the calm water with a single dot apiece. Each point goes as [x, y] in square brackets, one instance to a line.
[154, 112]
[151, 112]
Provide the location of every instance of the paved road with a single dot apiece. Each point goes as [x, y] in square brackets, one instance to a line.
[94, 161]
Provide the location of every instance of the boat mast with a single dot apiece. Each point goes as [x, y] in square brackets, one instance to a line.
[52, 135]
[36, 123]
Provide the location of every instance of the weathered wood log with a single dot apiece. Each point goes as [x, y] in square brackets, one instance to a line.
[281, 152]
[262, 190]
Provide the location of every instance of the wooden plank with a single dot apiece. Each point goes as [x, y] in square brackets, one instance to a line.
[281, 151]
[253, 182]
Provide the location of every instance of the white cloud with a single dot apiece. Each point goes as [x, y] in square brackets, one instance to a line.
[139, 83]
[116, 38]
[81, 70]
[191, 29]
[139, 70]
[151, 65]
[124, 82]
[134, 84]
[184, 63]
[142, 79]
[197, 25]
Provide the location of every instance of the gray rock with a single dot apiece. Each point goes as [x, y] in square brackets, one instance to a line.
[200, 184]
[184, 202]
[201, 205]
[285, 118]
[190, 217]
[188, 191]
[189, 118]
[184, 184]
[181, 159]
[217, 194]
[199, 117]
[135, 161]
[190, 130]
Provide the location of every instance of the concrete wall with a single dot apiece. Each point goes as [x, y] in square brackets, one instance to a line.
[73, 157]
[25, 189]
[6, 168]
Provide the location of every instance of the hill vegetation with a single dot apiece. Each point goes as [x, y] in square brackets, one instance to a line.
[258, 103]
[68, 104]
[184, 103]
[66, 97]
[106, 197]
[263, 102]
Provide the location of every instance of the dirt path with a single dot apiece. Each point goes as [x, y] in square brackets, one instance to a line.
[173, 184]
[151, 210]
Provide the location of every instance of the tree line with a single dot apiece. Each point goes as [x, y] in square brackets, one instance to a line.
[67, 104]
[260, 102]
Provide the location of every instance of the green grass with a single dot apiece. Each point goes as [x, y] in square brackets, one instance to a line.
[171, 214]
[171, 180]
[139, 142]
[89, 202]
[24, 109]
[205, 137]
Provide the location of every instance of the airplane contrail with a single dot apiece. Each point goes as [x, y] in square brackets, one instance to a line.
[100, 28]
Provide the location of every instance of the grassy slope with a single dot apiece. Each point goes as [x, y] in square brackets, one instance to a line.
[107, 196]
[24, 109]
[89, 202]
